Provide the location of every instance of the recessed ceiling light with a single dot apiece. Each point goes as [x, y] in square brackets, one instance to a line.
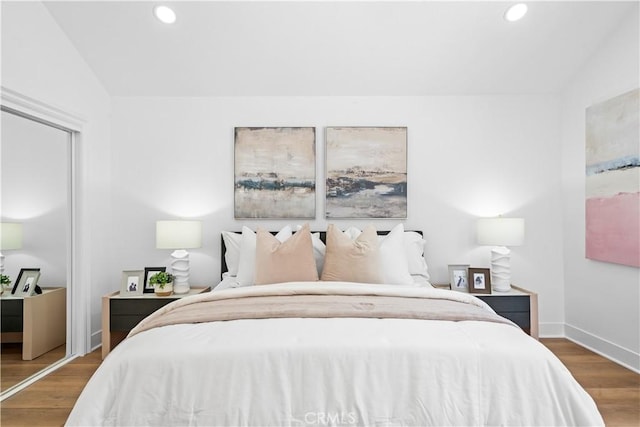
[164, 14]
[516, 12]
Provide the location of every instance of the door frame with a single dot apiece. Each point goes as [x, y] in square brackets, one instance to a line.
[78, 319]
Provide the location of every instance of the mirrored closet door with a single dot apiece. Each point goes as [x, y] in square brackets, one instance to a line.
[36, 245]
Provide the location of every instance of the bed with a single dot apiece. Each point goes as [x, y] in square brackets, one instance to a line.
[331, 353]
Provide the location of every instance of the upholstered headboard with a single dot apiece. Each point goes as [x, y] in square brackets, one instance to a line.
[323, 236]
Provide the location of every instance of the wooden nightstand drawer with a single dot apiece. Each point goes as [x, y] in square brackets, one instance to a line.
[11, 307]
[125, 322]
[518, 305]
[127, 313]
[12, 315]
[12, 323]
[506, 304]
[120, 307]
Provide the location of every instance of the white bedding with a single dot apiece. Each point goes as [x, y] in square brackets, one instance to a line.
[229, 281]
[337, 371]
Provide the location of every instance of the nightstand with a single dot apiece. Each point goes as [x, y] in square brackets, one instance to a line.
[39, 321]
[120, 314]
[518, 305]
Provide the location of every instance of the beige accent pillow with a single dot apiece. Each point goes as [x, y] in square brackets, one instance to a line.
[247, 263]
[288, 261]
[349, 260]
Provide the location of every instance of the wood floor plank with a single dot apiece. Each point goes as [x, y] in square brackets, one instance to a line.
[14, 370]
[620, 416]
[35, 417]
[616, 390]
[614, 395]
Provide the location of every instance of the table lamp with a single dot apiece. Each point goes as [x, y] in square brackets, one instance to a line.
[500, 232]
[179, 235]
[10, 238]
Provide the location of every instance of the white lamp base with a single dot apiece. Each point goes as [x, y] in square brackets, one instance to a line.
[501, 269]
[180, 271]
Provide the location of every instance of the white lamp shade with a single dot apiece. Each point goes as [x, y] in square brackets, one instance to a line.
[11, 235]
[500, 231]
[178, 234]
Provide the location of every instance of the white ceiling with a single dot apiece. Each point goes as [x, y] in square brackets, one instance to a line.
[336, 48]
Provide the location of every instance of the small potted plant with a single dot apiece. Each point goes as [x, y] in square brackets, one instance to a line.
[5, 282]
[162, 283]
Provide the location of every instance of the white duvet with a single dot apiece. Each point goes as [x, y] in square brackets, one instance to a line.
[334, 372]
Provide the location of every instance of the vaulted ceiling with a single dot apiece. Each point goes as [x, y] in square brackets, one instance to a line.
[243, 48]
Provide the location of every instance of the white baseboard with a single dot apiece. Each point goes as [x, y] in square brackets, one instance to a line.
[96, 340]
[611, 351]
[551, 330]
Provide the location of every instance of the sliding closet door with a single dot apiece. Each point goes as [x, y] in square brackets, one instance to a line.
[35, 203]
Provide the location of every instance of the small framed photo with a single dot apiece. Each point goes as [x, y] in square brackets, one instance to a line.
[25, 285]
[479, 281]
[458, 277]
[148, 272]
[132, 282]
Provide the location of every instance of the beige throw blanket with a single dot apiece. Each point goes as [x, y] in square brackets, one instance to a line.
[321, 300]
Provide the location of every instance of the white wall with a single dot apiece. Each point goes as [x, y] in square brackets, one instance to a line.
[602, 299]
[35, 192]
[468, 157]
[39, 61]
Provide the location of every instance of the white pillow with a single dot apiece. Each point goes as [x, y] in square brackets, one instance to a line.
[420, 281]
[319, 249]
[414, 248]
[247, 263]
[232, 251]
[393, 258]
[353, 232]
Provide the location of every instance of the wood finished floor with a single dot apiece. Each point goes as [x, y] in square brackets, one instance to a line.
[615, 389]
[14, 370]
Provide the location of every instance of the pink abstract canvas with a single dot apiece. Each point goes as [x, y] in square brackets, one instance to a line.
[613, 229]
[613, 180]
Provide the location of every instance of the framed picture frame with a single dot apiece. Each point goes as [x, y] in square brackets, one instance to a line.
[479, 281]
[274, 172]
[132, 282]
[459, 277]
[25, 285]
[366, 172]
[148, 272]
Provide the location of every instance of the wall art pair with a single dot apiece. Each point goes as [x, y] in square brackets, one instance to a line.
[275, 172]
[612, 204]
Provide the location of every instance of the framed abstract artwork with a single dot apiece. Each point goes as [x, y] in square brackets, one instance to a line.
[366, 172]
[612, 205]
[275, 172]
